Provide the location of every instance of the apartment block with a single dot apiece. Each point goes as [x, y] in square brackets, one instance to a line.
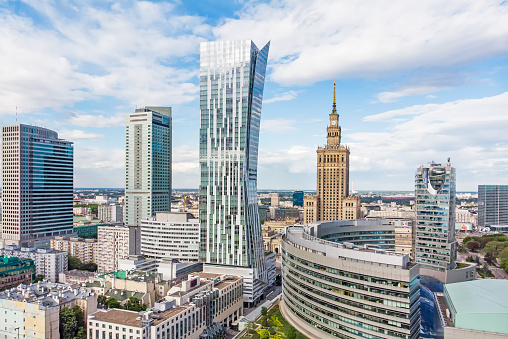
[83, 249]
[116, 242]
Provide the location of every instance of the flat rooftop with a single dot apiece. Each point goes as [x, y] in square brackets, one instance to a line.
[131, 318]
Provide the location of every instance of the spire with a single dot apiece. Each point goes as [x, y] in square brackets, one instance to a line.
[334, 109]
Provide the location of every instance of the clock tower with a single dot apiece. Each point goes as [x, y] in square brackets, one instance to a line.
[333, 130]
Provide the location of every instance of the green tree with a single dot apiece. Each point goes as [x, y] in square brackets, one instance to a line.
[80, 316]
[134, 304]
[39, 277]
[74, 263]
[493, 248]
[250, 325]
[102, 300]
[473, 245]
[81, 333]
[90, 266]
[264, 321]
[264, 310]
[113, 303]
[264, 333]
[68, 324]
[291, 333]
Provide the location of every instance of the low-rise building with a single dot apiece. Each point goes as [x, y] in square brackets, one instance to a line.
[75, 277]
[14, 271]
[116, 242]
[473, 309]
[34, 309]
[48, 262]
[83, 249]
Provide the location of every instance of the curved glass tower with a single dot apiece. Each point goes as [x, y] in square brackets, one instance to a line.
[232, 76]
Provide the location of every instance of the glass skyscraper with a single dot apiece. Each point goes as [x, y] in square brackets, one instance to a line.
[232, 76]
[147, 163]
[492, 205]
[435, 218]
[37, 185]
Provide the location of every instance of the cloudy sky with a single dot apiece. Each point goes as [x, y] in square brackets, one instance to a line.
[417, 81]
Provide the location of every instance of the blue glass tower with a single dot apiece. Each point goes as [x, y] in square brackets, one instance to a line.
[298, 198]
[232, 76]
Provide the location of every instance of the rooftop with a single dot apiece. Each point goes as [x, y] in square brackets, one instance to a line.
[131, 318]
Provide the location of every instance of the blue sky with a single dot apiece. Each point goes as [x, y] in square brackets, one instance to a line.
[417, 81]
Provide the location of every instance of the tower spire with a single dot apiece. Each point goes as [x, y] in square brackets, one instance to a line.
[334, 109]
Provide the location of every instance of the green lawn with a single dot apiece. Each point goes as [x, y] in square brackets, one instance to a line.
[462, 265]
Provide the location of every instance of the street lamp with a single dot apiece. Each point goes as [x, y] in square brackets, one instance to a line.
[17, 329]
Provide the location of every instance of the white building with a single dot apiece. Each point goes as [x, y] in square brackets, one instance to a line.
[110, 213]
[170, 235]
[147, 163]
[114, 243]
[34, 309]
[48, 262]
[274, 199]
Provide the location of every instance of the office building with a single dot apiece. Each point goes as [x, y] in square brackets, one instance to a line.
[340, 290]
[83, 249]
[274, 199]
[14, 272]
[172, 235]
[232, 77]
[298, 199]
[116, 242]
[34, 309]
[436, 245]
[48, 262]
[332, 200]
[110, 213]
[473, 309]
[147, 163]
[37, 183]
[492, 205]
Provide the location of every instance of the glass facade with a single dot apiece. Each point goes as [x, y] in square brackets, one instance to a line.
[37, 184]
[492, 205]
[298, 198]
[435, 216]
[147, 163]
[232, 78]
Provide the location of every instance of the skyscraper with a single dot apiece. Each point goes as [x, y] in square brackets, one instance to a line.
[147, 163]
[232, 75]
[435, 219]
[298, 198]
[492, 205]
[332, 201]
[37, 184]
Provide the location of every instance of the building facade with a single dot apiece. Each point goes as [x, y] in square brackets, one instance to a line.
[332, 200]
[37, 184]
[48, 262]
[83, 249]
[298, 199]
[171, 235]
[114, 243]
[492, 205]
[339, 290]
[436, 245]
[14, 272]
[110, 213]
[232, 75]
[147, 163]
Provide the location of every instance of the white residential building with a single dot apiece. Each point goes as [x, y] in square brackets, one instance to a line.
[48, 262]
[110, 213]
[171, 235]
[114, 243]
[147, 163]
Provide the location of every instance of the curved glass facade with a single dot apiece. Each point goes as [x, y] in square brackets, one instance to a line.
[334, 291]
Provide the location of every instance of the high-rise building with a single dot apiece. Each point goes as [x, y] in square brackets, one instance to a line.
[435, 219]
[110, 212]
[332, 201]
[492, 205]
[232, 75]
[274, 199]
[298, 199]
[37, 184]
[147, 163]
[114, 243]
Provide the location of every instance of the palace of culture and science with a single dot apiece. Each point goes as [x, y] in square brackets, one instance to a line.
[332, 201]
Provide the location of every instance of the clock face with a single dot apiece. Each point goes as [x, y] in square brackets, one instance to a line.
[333, 123]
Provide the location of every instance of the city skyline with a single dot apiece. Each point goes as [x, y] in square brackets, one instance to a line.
[433, 90]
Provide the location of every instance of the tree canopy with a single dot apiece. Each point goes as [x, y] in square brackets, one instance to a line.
[72, 323]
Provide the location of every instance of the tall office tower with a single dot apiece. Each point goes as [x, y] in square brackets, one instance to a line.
[492, 205]
[37, 183]
[435, 219]
[147, 163]
[332, 201]
[232, 75]
[298, 198]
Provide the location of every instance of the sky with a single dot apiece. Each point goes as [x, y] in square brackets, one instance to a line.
[417, 81]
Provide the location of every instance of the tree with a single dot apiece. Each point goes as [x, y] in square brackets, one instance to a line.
[291, 333]
[80, 316]
[113, 303]
[493, 248]
[102, 300]
[39, 277]
[264, 333]
[473, 245]
[74, 263]
[250, 325]
[264, 321]
[264, 311]
[68, 324]
[134, 304]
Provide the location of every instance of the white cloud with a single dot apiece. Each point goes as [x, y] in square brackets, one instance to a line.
[472, 132]
[296, 159]
[317, 40]
[386, 97]
[89, 120]
[86, 157]
[287, 96]
[78, 134]
[277, 126]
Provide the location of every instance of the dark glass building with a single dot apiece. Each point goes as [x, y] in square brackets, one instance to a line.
[298, 198]
[492, 205]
